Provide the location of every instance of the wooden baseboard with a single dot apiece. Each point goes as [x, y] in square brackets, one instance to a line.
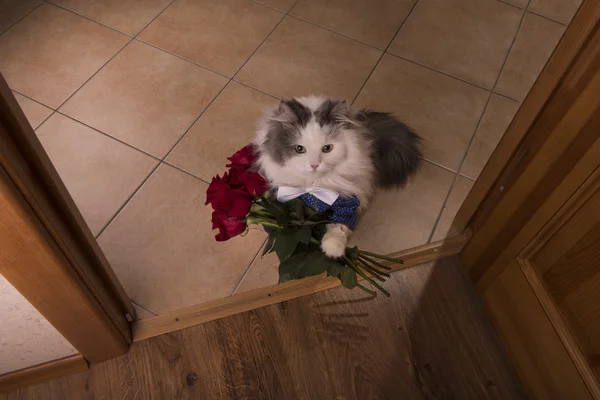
[42, 372]
[220, 308]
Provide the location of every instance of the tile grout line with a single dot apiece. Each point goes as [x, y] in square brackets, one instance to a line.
[384, 53]
[86, 17]
[273, 8]
[456, 175]
[143, 308]
[450, 76]
[42, 123]
[232, 79]
[22, 18]
[161, 161]
[248, 267]
[132, 38]
[339, 33]
[32, 99]
[185, 172]
[532, 12]
[477, 126]
[107, 135]
[265, 39]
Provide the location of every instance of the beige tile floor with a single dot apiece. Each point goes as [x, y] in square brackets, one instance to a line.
[138, 103]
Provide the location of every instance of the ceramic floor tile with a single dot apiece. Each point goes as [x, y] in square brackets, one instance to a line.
[52, 52]
[35, 112]
[141, 313]
[219, 34]
[468, 39]
[558, 10]
[535, 43]
[227, 125]
[301, 59]
[457, 196]
[145, 97]
[263, 272]
[401, 219]
[372, 22]
[498, 115]
[281, 5]
[518, 3]
[13, 10]
[163, 250]
[99, 172]
[443, 110]
[129, 16]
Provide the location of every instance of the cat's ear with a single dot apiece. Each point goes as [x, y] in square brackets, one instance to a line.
[340, 110]
[333, 112]
[291, 111]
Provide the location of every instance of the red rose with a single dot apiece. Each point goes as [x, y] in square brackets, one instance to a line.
[226, 200]
[242, 159]
[228, 227]
[253, 183]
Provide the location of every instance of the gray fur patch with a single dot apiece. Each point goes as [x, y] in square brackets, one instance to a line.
[284, 130]
[332, 112]
[396, 148]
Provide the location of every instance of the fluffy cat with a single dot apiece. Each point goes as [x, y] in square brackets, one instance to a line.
[320, 142]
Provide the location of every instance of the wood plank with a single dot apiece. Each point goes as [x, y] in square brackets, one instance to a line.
[28, 166]
[32, 262]
[570, 45]
[561, 328]
[540, 357]
[430, 340]
[220, 308]
[43, 372]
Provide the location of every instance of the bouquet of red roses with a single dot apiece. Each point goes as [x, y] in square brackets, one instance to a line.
[242, 197]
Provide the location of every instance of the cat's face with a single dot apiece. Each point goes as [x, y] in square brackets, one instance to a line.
[308, 140]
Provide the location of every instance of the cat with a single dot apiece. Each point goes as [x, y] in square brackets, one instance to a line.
[319, 142]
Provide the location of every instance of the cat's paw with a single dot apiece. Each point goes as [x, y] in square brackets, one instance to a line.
[334, 242]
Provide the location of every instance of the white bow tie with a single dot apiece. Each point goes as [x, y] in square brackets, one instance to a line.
[287, 193]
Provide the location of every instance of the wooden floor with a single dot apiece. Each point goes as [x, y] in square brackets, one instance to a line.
[430, 340]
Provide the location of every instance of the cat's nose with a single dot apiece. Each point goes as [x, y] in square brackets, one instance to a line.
[314, 166]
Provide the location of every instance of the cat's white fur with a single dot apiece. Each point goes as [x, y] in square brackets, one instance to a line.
[347, 169]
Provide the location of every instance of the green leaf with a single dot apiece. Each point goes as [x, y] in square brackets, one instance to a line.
[285, 244]
[270, 244]
[334, 268]
[304, 234]
[288, 269]
[348, 278]
[315, 263]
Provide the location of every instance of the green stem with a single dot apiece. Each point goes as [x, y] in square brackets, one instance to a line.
[361, 273]
[371, 292]
[365, 258]
[382, 257]
[373, 270]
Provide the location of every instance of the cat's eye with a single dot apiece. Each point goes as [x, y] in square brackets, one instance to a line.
[299, 149]
[327, 148]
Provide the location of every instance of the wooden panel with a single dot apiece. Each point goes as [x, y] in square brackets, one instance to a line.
[211, 310]
[32, 262]
[529, 336]
[560, 151]
[573, 40]
[44, 372]
[28, 166]
[430, 340]
[564, 331]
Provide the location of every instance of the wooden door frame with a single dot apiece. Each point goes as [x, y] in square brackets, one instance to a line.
[499, 206]
[48, 253]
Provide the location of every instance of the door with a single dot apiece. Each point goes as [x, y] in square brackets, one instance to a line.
[534, 254]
